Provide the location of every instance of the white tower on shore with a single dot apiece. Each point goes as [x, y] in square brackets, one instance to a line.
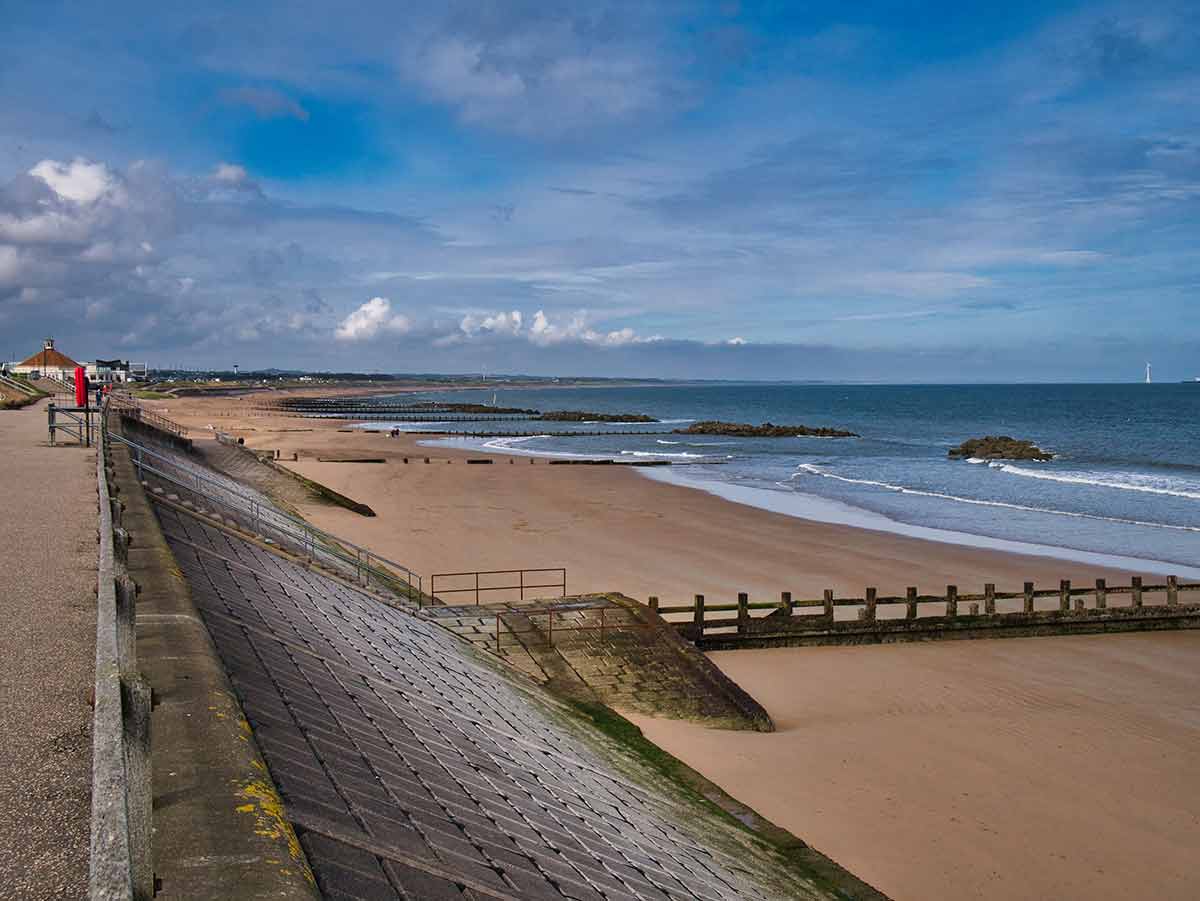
[1148, 379]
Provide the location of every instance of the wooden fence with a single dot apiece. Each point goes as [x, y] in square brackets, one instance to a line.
[875, 618]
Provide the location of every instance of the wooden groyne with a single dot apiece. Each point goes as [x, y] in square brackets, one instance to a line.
[539, 434]
[874, 619]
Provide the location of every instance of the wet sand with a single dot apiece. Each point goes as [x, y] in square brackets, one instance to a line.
[1037, 768]
[1018, 768]
[611, 527]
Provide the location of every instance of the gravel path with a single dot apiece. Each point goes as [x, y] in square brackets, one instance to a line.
[47, 644]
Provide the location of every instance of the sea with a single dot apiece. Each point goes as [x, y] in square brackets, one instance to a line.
[1123, 488]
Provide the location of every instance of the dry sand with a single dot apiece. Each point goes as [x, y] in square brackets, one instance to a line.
[1037, 768]
[1022, 768]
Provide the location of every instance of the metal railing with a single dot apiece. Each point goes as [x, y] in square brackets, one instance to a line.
[477, 588]
[609, 618]
[128, 408]
[121, 863]
[73, 421]
[20, 386]
[365, 565]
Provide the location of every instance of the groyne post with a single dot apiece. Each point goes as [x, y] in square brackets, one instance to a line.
[1029, 597]
[698, 617]
[743, 612]
[1064, 595]
[989, 598]
[951, 600]
[653, 603]
[785, 603]
[1136, 591]
[1101, 594]
[1172, 590]
[910, 602]
[829, 603]
[869, 610]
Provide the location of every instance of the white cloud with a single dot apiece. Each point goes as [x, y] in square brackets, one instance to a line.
[372, 318]
[544, 332]
[81, 181]
[230, 173]
[498, 324]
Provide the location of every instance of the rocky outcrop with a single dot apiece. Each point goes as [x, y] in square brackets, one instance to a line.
[585, 416]
[1000, 447]
[766, 430]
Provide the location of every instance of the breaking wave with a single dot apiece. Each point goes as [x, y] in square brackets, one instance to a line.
[811, 469]
[1131, 482]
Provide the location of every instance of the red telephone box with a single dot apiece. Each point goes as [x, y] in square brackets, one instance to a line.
[81, 386]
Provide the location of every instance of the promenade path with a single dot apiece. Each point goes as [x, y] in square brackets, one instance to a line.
[47, 645]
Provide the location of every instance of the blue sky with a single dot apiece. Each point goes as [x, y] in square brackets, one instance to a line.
[880, 191]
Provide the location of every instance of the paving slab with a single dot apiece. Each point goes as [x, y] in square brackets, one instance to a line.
[47, 604]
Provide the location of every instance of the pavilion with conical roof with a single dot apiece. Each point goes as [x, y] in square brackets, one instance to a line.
[47, 362]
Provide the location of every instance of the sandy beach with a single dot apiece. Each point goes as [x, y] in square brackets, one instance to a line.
[1024, 768]
[1032, 768]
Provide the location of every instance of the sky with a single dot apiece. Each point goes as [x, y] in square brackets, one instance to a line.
[878, 191]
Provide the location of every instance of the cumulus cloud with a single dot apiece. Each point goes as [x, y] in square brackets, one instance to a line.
[79, 227]
[542, 330]
[497, 324]
[80, 181]
[373, 318]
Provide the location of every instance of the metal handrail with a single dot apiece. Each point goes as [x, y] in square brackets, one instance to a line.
[522, 586]
[315, 542]
[127, 406]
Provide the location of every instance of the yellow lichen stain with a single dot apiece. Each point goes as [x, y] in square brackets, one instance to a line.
[270, 820]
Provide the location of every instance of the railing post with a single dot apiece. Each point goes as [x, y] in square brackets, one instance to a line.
[1136, 593]
[698, 616]
[1172, 590]
[1029, 597]
[869, 609]
[910, 602]
[50, 420]
[477, 590]
[989, 598]
[743, 613]
[951, 600]
[828, 597]
[522, 581]
[1101, 594]
[1064, 595]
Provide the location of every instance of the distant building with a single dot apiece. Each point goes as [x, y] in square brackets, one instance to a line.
[46, 363]
[115, 371]
[52, 363]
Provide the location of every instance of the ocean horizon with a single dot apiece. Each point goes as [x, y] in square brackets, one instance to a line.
[1122, 490]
